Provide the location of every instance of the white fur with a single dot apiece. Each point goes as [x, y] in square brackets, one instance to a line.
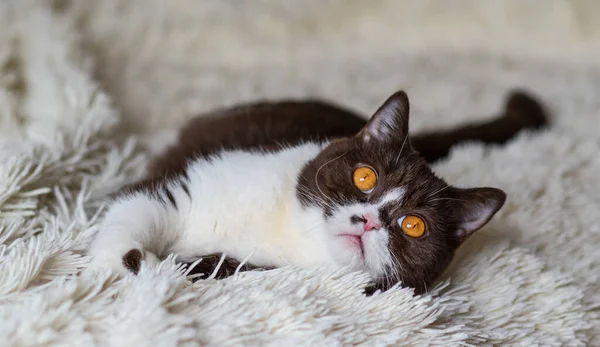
[239, 203]
[377, 259]
[242, 204]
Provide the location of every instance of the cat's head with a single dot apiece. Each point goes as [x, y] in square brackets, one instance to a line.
[383, 208]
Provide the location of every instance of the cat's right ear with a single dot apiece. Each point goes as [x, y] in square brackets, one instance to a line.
[390, 121]
[477, 207]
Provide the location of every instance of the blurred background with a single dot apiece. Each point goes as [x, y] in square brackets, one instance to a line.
[165, 61]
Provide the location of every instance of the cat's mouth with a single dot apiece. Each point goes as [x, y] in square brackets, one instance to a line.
[355, 241]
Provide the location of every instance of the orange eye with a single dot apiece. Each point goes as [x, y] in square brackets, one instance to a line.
[412, 226]
[365, 179]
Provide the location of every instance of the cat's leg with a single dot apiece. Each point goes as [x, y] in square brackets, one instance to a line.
[521, 111]
[221, 268]
[138, 227]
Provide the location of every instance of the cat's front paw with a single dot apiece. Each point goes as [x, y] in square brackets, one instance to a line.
[130, 262]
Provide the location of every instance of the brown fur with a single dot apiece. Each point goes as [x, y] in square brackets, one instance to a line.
[398, 164]
[209, 263]
[399, 160]
[132, 260]
[270, 125]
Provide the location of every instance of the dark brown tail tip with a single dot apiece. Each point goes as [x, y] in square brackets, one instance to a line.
[521, 106]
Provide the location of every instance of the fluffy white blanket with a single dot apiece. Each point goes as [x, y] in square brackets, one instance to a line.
[77, 78]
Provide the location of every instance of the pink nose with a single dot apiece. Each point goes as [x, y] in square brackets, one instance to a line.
[371, 222]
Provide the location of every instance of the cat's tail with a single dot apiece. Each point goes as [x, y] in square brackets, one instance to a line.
[521, 112]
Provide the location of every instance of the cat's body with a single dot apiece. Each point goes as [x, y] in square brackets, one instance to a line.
[275, 184]
[250, 212]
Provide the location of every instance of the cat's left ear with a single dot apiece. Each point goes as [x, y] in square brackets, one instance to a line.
[390, 121]
[478, 206]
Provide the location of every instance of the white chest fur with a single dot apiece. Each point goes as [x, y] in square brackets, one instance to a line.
[245, 203]
[239, 203]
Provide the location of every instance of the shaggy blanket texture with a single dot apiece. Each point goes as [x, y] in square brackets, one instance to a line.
[86, 88]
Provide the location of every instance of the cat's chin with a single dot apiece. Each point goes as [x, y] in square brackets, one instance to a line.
[346, 251]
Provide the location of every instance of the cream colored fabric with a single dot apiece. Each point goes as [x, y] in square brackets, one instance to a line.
[78, 80]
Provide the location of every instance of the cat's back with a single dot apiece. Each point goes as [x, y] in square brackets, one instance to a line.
[256, 126]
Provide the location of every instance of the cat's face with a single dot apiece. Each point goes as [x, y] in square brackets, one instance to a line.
[384, 210]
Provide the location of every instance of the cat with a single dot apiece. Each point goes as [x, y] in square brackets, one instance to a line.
[308, 184]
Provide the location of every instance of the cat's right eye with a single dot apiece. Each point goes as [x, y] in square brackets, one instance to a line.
[365, 179]
[412, 226]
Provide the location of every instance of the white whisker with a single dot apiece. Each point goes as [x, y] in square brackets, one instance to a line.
[395, 265]
[314, 227]
[322, 166]
[442, 189]
[319, 200]
[401, 148]
[438, 199]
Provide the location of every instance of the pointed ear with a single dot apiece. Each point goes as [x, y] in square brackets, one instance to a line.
[390, 122]
[479, 205]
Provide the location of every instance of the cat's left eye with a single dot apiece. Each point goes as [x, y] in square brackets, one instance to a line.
[365, 179]
[412, 226]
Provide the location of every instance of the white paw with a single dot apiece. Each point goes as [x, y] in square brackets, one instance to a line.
[108, 260]
[151, 259]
